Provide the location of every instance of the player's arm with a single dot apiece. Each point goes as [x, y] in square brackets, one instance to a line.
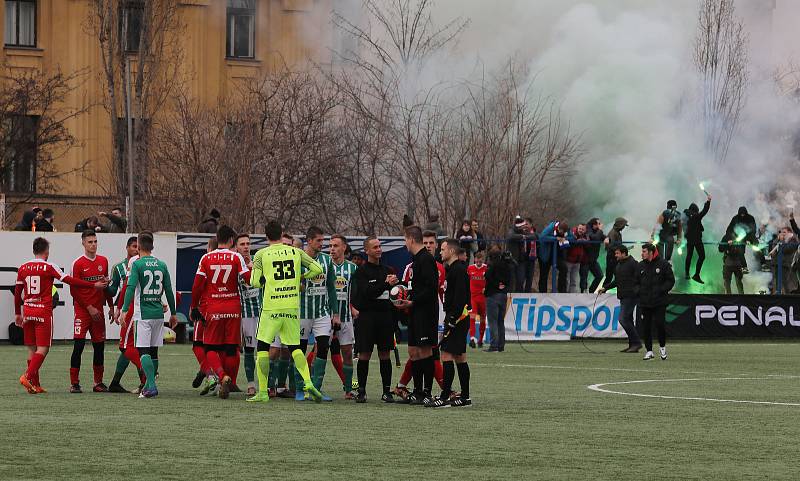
[198, 287]
[18, 288]
[173, 321]
[257, 274]
[333, 302]
[130, 288]
[116, 282]
[244, 271]
[313, 267]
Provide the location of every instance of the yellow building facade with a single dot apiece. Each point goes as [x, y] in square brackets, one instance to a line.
[221, 41]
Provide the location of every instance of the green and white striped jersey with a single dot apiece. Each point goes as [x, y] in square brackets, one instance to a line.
[148, 283]
[318, 298]
[118, 274]
[344, 276]
[251, 299]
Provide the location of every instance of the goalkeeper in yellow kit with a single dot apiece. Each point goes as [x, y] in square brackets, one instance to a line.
[277, 269]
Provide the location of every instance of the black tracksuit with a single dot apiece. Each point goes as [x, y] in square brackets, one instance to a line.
[654, 282]
[370, 297]
[456, 299]
[694, 236]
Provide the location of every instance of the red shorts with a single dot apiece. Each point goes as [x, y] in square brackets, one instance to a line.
[222, 328]
[85, 324]
[38, 330]
[479, 306]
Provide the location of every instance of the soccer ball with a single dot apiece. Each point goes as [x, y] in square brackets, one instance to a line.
[398, 293]
[169, 335]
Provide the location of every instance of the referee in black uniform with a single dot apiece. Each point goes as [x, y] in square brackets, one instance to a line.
[423, 318]
[375, 326]
[456, 325]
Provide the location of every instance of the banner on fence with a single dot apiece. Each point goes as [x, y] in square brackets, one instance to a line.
[721, 316]
[64, 249]
[556, 317]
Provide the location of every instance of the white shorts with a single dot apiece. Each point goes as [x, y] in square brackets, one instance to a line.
[249, 328]
[149, 332]
[346, 335]
[319, 327]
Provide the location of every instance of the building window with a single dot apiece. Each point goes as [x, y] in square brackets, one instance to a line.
[20, 27]
[240, 34]
[19, 153]
[131, 24]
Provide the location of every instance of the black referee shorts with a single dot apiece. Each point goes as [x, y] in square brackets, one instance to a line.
[423, 332]
[456, 342]
[374, 330]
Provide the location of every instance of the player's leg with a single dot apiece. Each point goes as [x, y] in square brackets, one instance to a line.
[345, 339]
[384, 339]
[249, 344]
[438, 370]
[29, 336]
[143, 336]
[364, 345]
[232, 327]
[97, 332]
[290, 335]
[481, 308]
[79, 343]
[462, 367]
[449, 376]
[335, 354]
[262, 372]
[306, 327]
[214, 343]
[200, 354]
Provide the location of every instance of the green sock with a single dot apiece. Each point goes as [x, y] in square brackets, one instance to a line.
[122, 364]
[301, 366]
[263, 370]
[150, 371]
[319, 372]
[281, 367]
[348, 377]
[250, 364]
[155, 367]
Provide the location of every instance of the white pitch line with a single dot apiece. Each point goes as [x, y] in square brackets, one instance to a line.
[599, 388]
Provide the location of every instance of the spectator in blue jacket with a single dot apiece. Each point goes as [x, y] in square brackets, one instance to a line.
[552, 243]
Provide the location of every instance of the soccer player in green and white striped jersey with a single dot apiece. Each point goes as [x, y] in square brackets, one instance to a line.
[251, 310]
[319, 311]
[148, 283]
[344, 337]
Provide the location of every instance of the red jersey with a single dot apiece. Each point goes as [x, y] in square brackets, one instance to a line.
[217, 282]
[36, 279]
[90, 270]
[408, 276]
[477, 280]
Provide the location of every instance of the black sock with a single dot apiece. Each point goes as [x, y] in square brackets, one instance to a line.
[386, 375]
[77, 350]
[362, 370]
[428, 371]
[117, 378]
[99, 348]
[463, 379]
[449, 375]
[416, 375]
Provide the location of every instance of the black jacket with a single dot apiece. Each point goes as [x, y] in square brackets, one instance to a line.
[208, 226]
[694, 222]
[654, 282]
[424, 287]
[456, 292]
[370, 290]
[733, 253]
[498, 272]
[597, 236]
[746, 224]
[625, 280]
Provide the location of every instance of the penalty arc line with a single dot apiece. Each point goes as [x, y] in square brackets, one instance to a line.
[600, 388]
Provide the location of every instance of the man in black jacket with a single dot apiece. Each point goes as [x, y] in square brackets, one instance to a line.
[456, 324]
[498, 283]
[654, 282]
[694, 237]
[613, 239]
[423, 319]
[625, 277]
[594, 231]
[375, 326]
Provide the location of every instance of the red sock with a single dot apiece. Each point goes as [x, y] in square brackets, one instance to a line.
[482, 330]
[215, 363]
[231, 365]
[98, 373]
[33, 368]
[337, 361]
[471, 326]
[132, 354]
[310, 360]
[200, 354]
[405, 378]
[73, 375]
[438, 373]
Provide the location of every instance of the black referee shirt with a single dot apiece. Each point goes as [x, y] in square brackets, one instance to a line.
[456, 291]
[424, 287]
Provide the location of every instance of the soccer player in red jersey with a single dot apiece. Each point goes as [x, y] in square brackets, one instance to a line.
[33, 307]
[89, 317]
[429, 241]
[205, 376]
[477, 283]
[217, 279]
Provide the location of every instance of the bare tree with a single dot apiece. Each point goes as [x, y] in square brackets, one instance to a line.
[720, 56]
[145, 33]
[34, 135]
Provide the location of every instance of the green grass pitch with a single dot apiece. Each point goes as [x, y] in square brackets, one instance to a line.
[534, 418]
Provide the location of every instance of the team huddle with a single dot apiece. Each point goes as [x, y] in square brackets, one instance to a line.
[268, 307]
